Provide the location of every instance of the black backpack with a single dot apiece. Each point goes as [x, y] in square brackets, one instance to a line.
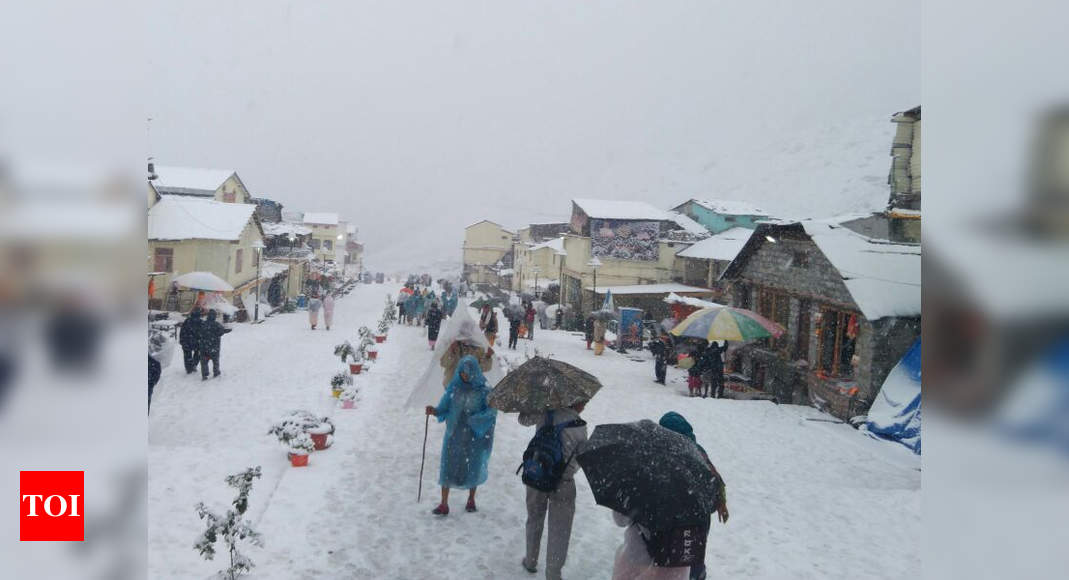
[543, 460]
[679, 546]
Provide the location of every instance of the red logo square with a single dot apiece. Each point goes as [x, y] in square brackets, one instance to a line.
[51, 506]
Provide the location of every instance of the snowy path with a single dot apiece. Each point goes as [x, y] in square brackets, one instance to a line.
[807, 499]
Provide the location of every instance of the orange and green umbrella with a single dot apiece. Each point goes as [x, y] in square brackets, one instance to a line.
[727, 323]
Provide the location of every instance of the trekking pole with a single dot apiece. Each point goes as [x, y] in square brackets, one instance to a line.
[426, 426]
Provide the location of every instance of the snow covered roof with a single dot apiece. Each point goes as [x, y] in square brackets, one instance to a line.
[285, 229]
[723, 246]
[674, 298]
[321, 218]
[620, 210]
[194, 179]
[651, 289]
[729, 207]
[184, 218]
[556, 244]
[688, 225]
[884, 279]
[269, 269]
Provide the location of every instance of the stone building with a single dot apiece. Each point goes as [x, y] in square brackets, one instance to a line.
[851, 307]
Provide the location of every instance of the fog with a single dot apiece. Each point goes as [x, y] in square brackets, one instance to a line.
[414, 120]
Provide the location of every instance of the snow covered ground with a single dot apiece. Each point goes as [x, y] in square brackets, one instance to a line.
[808, 499]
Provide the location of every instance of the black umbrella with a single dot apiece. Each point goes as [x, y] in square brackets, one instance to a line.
[653, 475]
[541, 384]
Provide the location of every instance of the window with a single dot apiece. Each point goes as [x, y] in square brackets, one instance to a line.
[228, 197]
[775, 306]
[164, 260]
[729, 219]
[328, 245]
[238, 260]
[837, 339]
[315, 243]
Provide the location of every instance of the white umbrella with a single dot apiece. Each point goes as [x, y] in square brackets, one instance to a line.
[203, 281]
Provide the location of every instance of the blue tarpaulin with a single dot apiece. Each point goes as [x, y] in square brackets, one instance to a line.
[896, 412]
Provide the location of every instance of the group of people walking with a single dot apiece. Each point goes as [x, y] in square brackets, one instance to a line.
[550, 501]
[324, 302]
[415, 303]
[201, 342]
[521, 322]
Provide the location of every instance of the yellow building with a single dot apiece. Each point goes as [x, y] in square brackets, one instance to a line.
[538, 265]
[327, 235]
[217, 184]
[190, 234]
[485, 244]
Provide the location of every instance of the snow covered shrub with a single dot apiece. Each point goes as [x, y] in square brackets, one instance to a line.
[341, 379]
[349, 394]
[345, 350]
[389, 313]
[231, 526]
[293, 430]
[384, 325]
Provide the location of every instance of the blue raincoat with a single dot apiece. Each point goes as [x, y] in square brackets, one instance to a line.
[469, 431]
[414, 304]
[451, 303]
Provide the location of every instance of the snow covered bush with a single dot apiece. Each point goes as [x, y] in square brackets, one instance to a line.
[349, 394]
[389, 314]
[341, 379]
[384, 325]
[231, 526]
[293, 430]
[345, 351]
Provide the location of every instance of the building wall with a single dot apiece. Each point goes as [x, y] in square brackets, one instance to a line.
[326, 233]
[717, 223]
[905, 176]
[485, 244]
[769, 266]
[233, 185]
[616, 272]
[216, 256]
[547, 261]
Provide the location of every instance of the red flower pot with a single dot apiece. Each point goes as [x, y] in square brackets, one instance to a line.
[320, 440]
[373, 354]
[298, 460]
[348, 404]
[354, 368]
[381, 338]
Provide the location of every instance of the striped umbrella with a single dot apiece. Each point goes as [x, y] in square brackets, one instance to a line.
[727, 323]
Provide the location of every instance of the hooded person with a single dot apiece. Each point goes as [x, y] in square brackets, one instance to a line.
[459, 337]
[188, 339]
[434, 323]
[469, 433]
[314, 304]
[676, 422]
[328, 309]
[209, 339]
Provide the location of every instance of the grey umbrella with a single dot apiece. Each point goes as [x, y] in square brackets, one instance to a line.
[541, 384]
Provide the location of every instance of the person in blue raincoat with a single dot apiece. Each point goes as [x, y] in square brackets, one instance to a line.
[469, 433]
[451, 303]
[414, 305]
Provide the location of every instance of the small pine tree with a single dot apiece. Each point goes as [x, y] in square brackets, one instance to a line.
[232, 526]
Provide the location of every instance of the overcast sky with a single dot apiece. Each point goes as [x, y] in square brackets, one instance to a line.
[414, 120]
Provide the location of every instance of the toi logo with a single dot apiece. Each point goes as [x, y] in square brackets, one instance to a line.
[51, 506]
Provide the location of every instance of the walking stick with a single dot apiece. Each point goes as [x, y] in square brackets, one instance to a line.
[426, 426]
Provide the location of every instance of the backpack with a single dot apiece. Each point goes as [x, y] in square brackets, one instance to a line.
[543, 460]
[677, 547]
